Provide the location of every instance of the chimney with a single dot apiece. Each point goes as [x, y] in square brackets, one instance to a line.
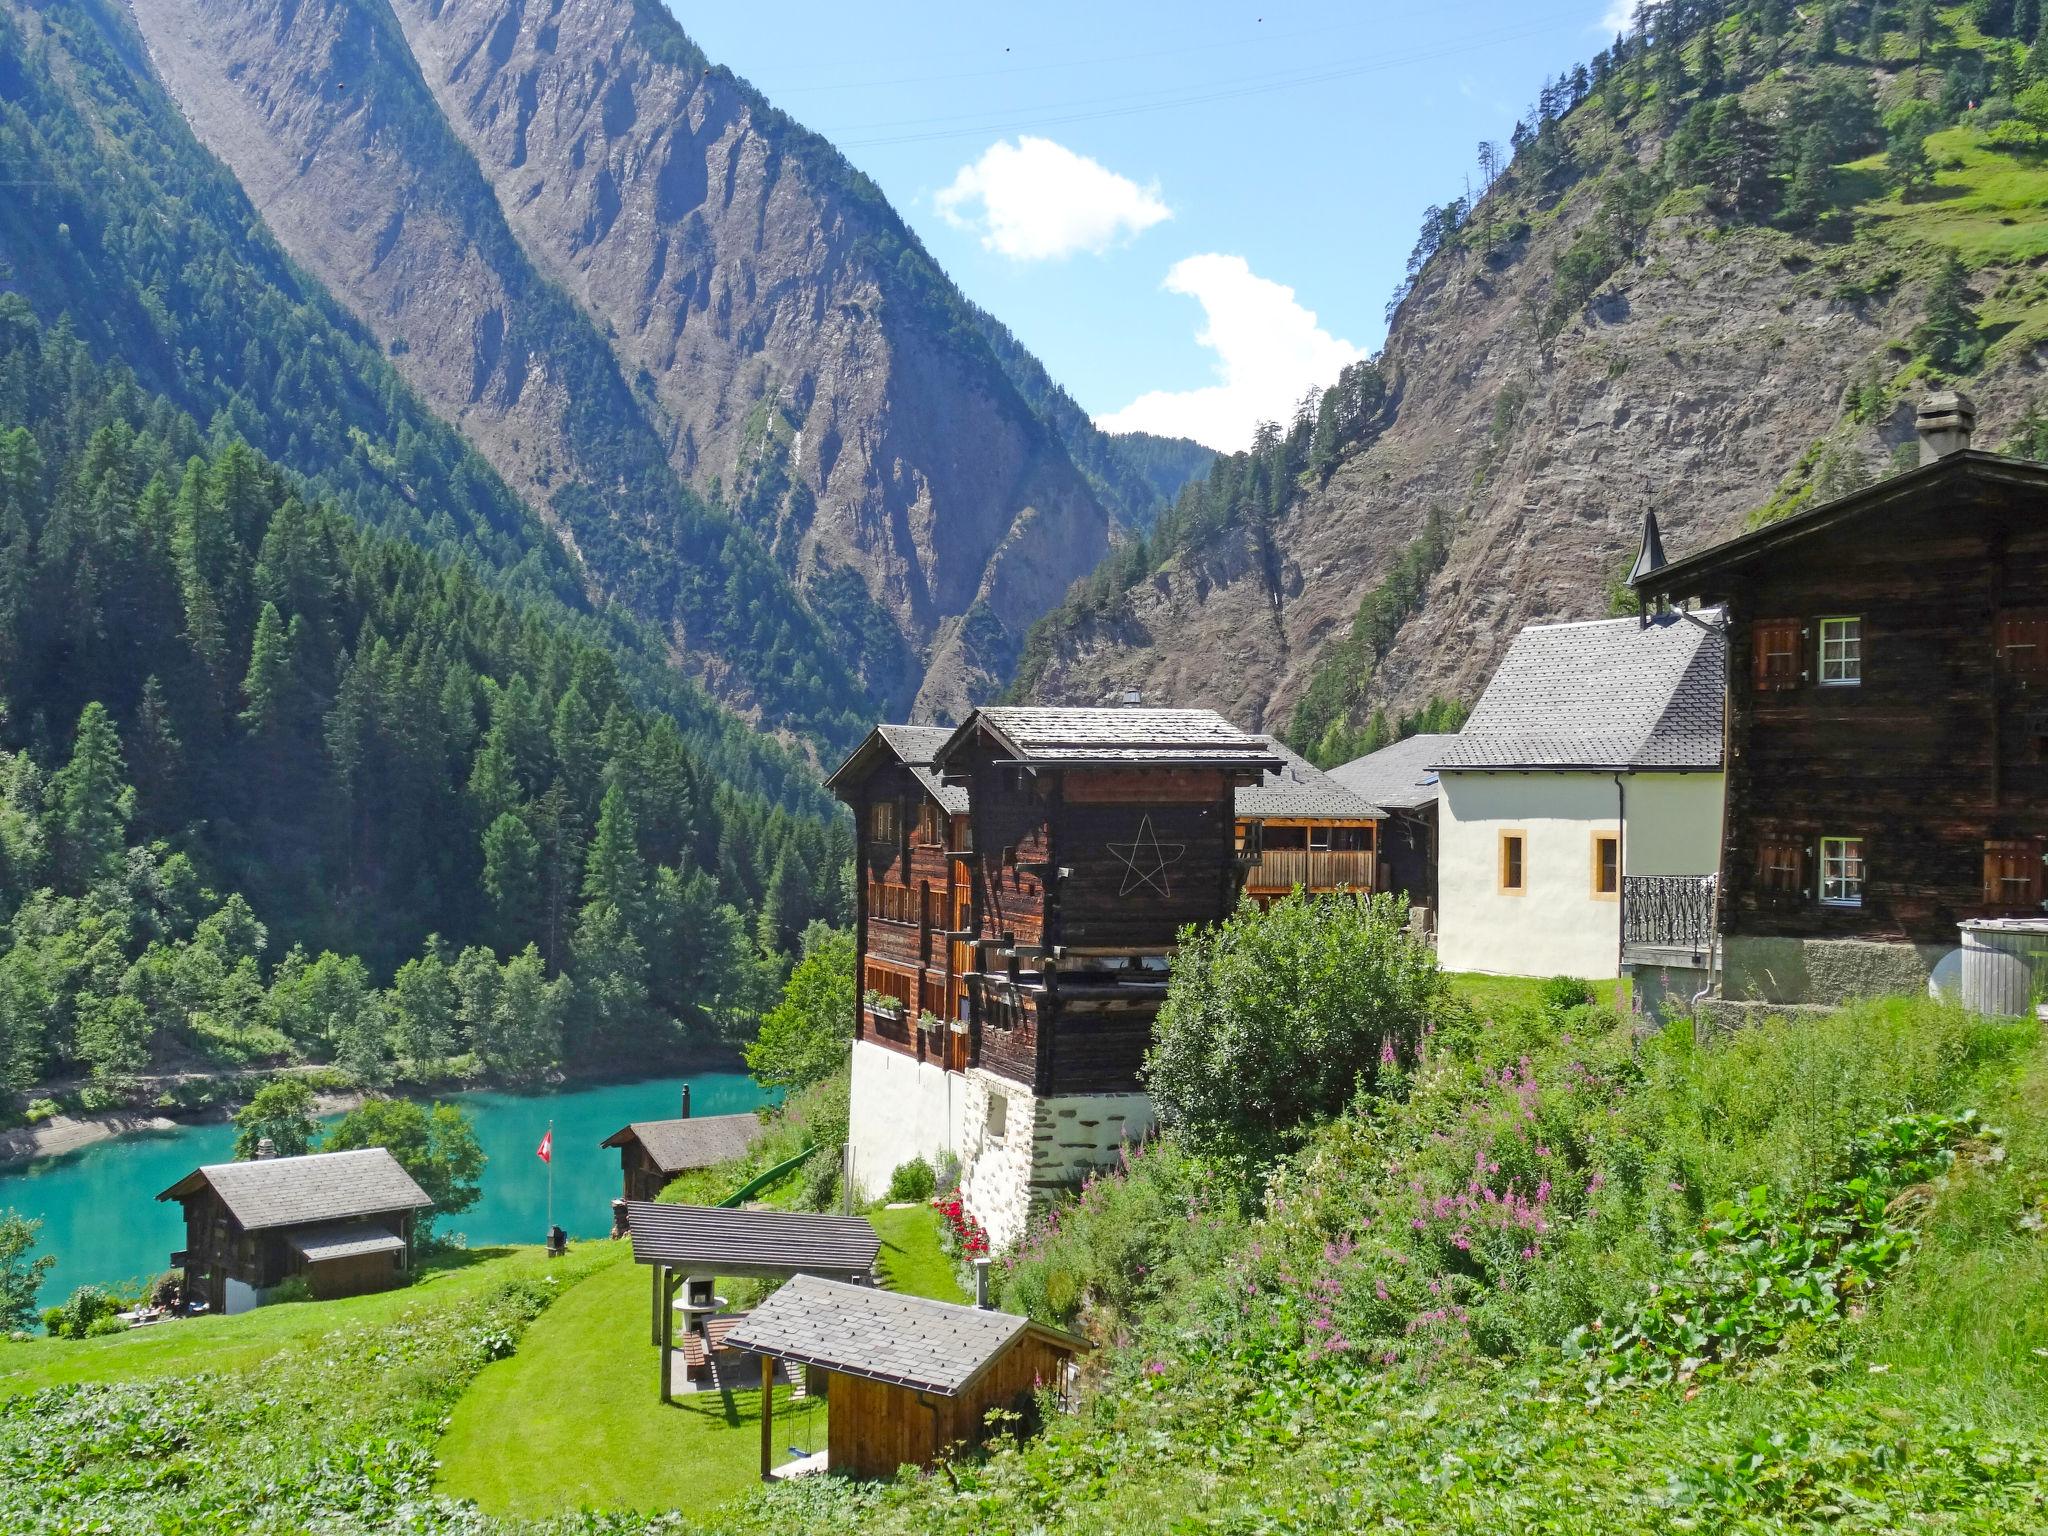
[686, 1101]
[981, 1296]
[1945, 422]
[1133, 697]
[265, 1148]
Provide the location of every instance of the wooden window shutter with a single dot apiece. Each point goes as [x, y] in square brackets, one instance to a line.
[2022, 644]
[2012, 873]
[1777, 659]
[1781, 866]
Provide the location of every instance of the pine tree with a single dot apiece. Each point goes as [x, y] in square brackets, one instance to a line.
[423, 1003]
[1807, 197]
[158, 762]
[2036, 69]
[512, 879]
[89, 805]
[611, 979]
[1825, 42]
[1950, 335]
[269, 674]
[1873, 33]
[613, 871]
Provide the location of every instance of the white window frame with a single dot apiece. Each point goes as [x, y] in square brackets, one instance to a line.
[1844, 650]
[1834, 854]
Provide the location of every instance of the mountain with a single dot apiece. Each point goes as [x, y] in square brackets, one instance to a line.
[675, 320]
[1697, 289]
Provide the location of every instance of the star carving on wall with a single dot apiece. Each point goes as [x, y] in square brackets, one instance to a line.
[1145, 860]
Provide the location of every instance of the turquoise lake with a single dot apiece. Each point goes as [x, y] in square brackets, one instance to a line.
[102, 1221]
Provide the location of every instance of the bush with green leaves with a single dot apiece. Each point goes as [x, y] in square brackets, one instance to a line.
[804, 1038]
[913, 1180]
[280, 1112]
[81, 1311]
[436, 1145]
[1277, 1018]
[1560, 994]
[21, 1269]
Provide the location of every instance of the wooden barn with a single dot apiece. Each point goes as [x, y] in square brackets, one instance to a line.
[1021, 883]
[1299, 827]
[342, 1220]
[906, 1378]
[1401, 780]
[1887, 719]
[652, 1152]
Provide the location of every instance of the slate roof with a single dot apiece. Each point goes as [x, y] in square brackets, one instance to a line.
[1297, 788]
[772, 1244]
[1112, 738]
[298, 1191]
[1608, 695]
[1401, 777]
[917, 745]
[704, 1141]
[907, 1341]
[348, 1240]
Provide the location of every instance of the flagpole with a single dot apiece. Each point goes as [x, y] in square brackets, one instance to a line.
[551, 1181]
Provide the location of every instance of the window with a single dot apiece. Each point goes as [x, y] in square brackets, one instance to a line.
[1319, 839]
[1841, 871]
[2012, 874]
[891, 903]
[1514, 873]
[1606, 865]
[1841, 653]
[998, 1116]
[1781, 866]
[1775, 661]
[2021, 642]
[931, 825]
[882, 821]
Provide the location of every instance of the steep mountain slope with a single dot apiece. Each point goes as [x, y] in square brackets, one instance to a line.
[1636, 317]
[606, 259]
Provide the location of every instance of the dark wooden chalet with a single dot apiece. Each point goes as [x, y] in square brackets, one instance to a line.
[1401, 781]
[652, 1152]
[1888, 701]
[907, 1378]
[1299, 827]
[1022, 879]
[343, 1220]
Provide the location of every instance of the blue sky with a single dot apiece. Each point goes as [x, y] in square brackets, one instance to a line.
[1189, 211]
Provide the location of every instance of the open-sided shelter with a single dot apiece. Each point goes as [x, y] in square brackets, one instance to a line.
[343, 1220]
[698, 1242]
[906, 1376]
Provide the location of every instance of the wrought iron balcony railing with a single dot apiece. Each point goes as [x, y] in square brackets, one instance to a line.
[1668, 911]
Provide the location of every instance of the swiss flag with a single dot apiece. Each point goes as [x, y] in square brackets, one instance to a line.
[546, 1150]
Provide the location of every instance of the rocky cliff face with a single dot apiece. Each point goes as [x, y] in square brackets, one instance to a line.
[571, 230]
[1708, 374]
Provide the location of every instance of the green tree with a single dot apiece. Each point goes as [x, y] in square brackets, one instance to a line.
[525, 1026]
[89, 804]
[1906, 128]
[611, 979]
[21, 1275]
[613, 871]
[269, 676]
[804, 1037]
[423, 1006]
[1950, 333]
[1275, 1019]
[110, 1034]
[512, 879]
[437, 1146]
[282, 1110]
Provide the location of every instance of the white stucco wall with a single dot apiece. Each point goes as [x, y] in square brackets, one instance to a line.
[1557, 926]
[900, 1109]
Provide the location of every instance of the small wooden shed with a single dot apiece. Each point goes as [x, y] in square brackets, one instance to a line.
[906, 1377]
[651, 1152]
[342, 1220]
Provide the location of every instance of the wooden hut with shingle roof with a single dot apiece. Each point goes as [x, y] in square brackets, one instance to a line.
[344, 1221]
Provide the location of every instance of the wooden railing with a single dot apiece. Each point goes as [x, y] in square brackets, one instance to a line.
[1281, 869]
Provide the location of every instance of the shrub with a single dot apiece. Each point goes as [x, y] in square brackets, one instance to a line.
[1277, 1018]
[86, 1306]
[1561, 994]
[40, 1110]
[913, 1180]
[290, 1289]
[100, 1327]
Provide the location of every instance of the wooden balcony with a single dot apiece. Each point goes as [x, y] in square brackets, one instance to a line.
[1282, 869]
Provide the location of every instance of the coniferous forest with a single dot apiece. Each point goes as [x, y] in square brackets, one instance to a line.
[276, 787]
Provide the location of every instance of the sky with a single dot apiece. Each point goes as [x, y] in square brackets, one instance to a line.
[1190, 211]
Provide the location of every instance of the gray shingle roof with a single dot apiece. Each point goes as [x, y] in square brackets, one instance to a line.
[1115, 737]
[348, 1240]
[1299, 788]
[297, 1191]
[703, 1141]
[1400, 777]
[916, 744]
[932, 1346]
[772, 1244]
[1612, 694]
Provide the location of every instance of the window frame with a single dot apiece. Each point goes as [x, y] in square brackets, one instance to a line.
[2027, 854]
[1822, 660]
[1862, 876]
[1765, 678]
[884, 824]
[1599, 867]
[1767, 869]
[1520, 839]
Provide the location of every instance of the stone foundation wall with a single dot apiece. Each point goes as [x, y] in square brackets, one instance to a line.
[1829, 972]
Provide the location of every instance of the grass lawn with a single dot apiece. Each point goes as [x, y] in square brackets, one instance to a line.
[223, 1344]
[1490, 992]
[912, 1261]
[573, 1421]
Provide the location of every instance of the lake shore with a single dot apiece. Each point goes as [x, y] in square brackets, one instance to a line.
[61, 1134]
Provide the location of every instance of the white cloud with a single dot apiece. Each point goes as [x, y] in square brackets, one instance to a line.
[1036, 201]
[1269, 351]
[1618, 20]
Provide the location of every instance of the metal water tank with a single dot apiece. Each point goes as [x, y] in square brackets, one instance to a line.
[2005, 965]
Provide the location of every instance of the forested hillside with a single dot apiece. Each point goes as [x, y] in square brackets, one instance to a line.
[1710, 274]
[238, 731]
